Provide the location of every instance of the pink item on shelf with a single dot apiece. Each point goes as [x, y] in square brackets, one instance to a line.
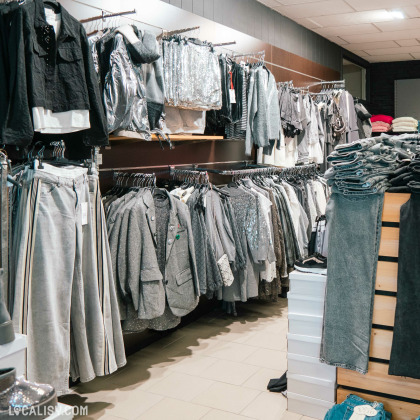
[381, 124]
[383, 118]
[380, 129]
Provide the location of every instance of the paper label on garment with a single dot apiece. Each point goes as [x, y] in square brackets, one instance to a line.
[84, 214]
[99, 159]
[204, 201]
[298, 105]
[232, 96]
[362, 411]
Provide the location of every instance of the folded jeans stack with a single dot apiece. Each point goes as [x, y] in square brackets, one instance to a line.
[362, 167]
[405, 124]
[407, 177]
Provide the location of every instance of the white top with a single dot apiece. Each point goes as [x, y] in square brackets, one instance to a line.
[46, 121]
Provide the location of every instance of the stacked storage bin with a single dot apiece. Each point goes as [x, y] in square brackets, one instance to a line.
[311, 385]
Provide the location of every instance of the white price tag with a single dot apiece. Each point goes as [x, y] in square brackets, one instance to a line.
[99, 159]
[298, 105]
[362, 411]
[232, 96]
[84, 214]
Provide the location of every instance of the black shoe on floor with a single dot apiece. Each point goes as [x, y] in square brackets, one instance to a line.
[315, 263]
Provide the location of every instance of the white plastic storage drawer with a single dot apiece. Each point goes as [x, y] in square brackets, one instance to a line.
[303, 304]
[310, 366]
[13, 354]
[319, 389]
[306, 406]
[309, 325]
[304, 345]
[307, 284]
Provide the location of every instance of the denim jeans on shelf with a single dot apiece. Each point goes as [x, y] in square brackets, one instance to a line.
[346, 409]
[405, 354]
[358, 145]
[354, 220]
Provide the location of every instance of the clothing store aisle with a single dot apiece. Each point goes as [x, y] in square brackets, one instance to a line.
[216, 368]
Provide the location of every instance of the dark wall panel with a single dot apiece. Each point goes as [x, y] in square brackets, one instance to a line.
[257, 20]
[382, 77]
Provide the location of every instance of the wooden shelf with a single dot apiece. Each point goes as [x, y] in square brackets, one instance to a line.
[173, 137]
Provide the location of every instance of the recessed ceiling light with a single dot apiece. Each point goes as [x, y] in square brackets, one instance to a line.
[397, 14]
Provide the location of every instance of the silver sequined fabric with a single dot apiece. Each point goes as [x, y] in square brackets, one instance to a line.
[21, 394]
[192, 75]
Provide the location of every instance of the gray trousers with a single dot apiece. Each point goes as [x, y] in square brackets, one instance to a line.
[65, 299]
[353, 245]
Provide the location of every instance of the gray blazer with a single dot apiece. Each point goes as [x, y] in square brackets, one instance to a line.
[181, 280]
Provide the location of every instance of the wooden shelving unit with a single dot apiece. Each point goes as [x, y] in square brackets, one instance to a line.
[173, 137]
[377, 384]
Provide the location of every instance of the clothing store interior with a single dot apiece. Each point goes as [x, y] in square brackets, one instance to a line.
[210, 209]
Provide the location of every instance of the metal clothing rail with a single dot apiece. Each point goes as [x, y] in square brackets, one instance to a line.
[107, 16]
[110, 12]
[327, 82]
[134, 168]
[252, 56]
[177, 31]
[223, 44]
[259, 169]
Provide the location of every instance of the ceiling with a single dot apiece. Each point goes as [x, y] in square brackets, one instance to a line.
[368, 28]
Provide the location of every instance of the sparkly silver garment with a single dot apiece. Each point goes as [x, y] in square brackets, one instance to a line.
[192, 75]
[125, 94]
[17, 394]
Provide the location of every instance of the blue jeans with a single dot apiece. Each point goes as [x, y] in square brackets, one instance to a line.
[354, 220]
[345, 410]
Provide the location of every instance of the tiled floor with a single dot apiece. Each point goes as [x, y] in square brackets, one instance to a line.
[216, 368]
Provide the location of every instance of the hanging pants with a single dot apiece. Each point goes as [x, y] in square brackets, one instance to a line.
[65, 299]
[405, 354]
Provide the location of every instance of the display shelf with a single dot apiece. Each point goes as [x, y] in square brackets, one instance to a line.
[173, 138]
[377, 385]
[62, 412]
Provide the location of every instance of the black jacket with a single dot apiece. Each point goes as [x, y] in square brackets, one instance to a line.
[57, 75]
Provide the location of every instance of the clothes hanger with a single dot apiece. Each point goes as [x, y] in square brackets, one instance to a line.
[52, 4]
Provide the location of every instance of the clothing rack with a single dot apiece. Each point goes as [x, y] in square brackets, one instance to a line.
[171, 166]
[178, 31]
[108, 15]
[336, 84]
[223, 44]
[251, 56]
[259, 169]
[110, 12]
[138, 179]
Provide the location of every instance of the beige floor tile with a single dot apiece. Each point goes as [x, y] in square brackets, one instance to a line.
[267, 406]
[129, 405]
[139, 378]
[268, 340]
[172, 409]
[193, 365]
[230, 372]
[278, 326]
[261, 378]
[272, 359]
[229, 351]
[223, 415]
[287, 415]
[226, 397]
[181, 386]
[307, 418]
